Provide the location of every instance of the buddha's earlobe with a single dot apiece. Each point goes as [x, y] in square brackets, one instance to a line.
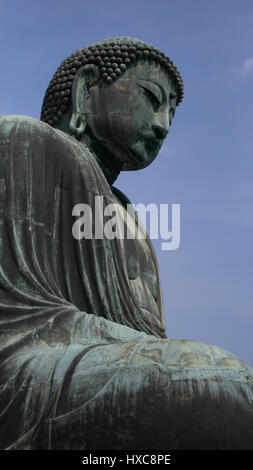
[77, 123]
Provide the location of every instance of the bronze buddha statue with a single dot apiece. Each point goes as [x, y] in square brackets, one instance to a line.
[84, 358]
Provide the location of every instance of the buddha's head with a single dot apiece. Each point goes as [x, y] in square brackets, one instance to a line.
[120, 93]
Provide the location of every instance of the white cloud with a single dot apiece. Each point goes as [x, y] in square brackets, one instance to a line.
[246, 67]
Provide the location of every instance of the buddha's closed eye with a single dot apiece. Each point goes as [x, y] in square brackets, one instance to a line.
[151, 96]
[152, 91]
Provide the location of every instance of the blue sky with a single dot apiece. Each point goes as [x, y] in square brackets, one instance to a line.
[206, 162]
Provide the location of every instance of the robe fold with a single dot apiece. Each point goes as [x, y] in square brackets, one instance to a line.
[84, 358]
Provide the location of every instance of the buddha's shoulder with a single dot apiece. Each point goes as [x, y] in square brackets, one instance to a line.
[20, 123]
[28, 126]
[48, 148]
[30, 132]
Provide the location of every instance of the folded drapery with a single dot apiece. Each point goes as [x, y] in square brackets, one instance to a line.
[84, 359]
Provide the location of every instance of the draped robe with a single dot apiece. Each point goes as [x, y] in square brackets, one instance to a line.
[84, 358]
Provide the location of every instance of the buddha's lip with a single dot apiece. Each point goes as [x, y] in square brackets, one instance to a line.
[152, 141]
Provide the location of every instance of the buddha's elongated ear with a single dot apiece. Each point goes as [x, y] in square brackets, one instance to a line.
[85, 77]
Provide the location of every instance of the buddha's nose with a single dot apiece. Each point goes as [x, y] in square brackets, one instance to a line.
[161, 125]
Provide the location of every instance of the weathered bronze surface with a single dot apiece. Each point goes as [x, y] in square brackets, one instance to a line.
[84, 358]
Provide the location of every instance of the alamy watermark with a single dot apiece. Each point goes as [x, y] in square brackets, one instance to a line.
[112, 221]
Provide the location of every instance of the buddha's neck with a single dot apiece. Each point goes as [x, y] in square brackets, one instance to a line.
[110, 166]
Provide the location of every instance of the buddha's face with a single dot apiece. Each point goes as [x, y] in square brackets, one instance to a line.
[131, 116]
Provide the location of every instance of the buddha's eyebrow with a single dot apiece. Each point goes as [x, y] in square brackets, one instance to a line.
[172, 94]
[160, 91]
[152, 81]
